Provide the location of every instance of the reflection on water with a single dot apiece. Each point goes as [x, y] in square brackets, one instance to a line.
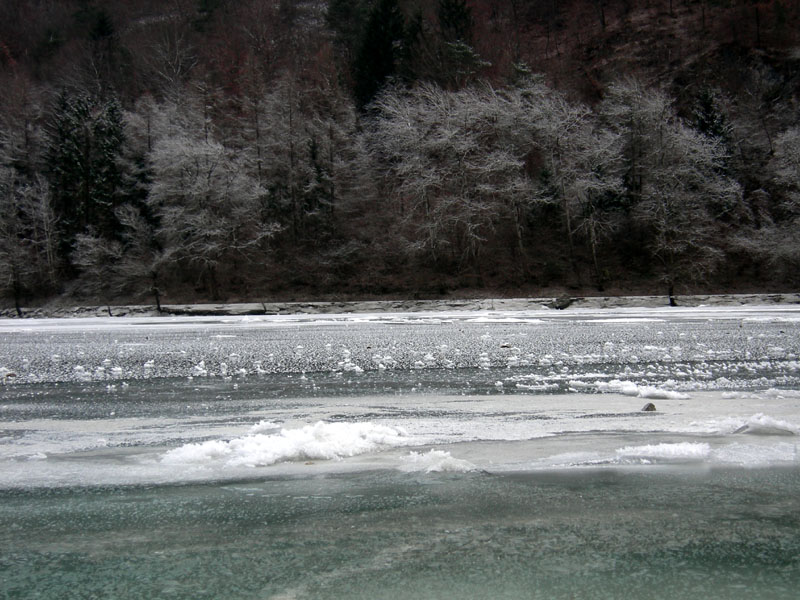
[595, 534]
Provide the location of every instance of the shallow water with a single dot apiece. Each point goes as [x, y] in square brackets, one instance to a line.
[668, 533]
[403, 456]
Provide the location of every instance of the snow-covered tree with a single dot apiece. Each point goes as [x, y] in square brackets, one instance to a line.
[786, 166]
[454, 180]
[207, 205]
[14, 254]
[577, 162]
[286, 142]
[27, 237]
[295, 141]
[96, 257]
[675, 178]
[42, 231]
[774, 240]
[593, 205]
[142, 265]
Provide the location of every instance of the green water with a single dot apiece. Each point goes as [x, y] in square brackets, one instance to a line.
[601, 533]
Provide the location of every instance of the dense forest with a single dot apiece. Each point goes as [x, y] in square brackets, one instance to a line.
[185, 150]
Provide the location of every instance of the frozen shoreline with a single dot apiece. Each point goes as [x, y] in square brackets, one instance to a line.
[391, 306]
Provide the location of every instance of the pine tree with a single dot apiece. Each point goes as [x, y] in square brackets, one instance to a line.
[455, 21]
[709, 118]
[444, 53]
[380, 52]
[85, 175]
[205, 14]
[346, 18]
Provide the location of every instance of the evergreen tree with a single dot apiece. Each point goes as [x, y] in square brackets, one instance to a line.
[102, 28]
[383, 45]
[709, 118]
[106, 63]
[346, 18]
[83, 157]
[455, 21]
[205, 13]
[443, 52]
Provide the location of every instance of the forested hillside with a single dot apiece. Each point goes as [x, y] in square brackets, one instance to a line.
[186, 150]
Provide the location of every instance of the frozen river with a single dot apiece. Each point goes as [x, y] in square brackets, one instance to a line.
[406, 455]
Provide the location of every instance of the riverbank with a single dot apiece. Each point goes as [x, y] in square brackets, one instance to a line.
[387, 306]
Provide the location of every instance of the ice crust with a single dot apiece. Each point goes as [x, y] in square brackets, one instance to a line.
[192, 398]
[645, 347]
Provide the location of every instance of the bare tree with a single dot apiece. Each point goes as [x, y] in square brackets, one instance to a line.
[27, 223]
[594, 190]
[454, 179]
[207, 205]
[41, 231]
[774, 239]
[165, 53]
[676, 181]
[577, 162]
[96, 258]
[786, 166]
[142, 264]
[15, 255]
[27, 237]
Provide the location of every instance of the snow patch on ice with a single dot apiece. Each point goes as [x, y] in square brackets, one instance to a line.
[660, 453]
[752, 455]
[435, 461]
[322, 441]
[264, 426]
[661, 394]
[778, 394]
[628, 388]
[543, 387]
[761, 424]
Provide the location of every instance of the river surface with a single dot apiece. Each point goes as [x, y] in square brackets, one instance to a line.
[408, 455]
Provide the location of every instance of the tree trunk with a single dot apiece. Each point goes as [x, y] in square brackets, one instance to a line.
[601, 13]
[703, 15]
[671, 292]
[18, 298]
[597, 272]
[758, 27]
[573, 260]
[156, 293]
[211, 282]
